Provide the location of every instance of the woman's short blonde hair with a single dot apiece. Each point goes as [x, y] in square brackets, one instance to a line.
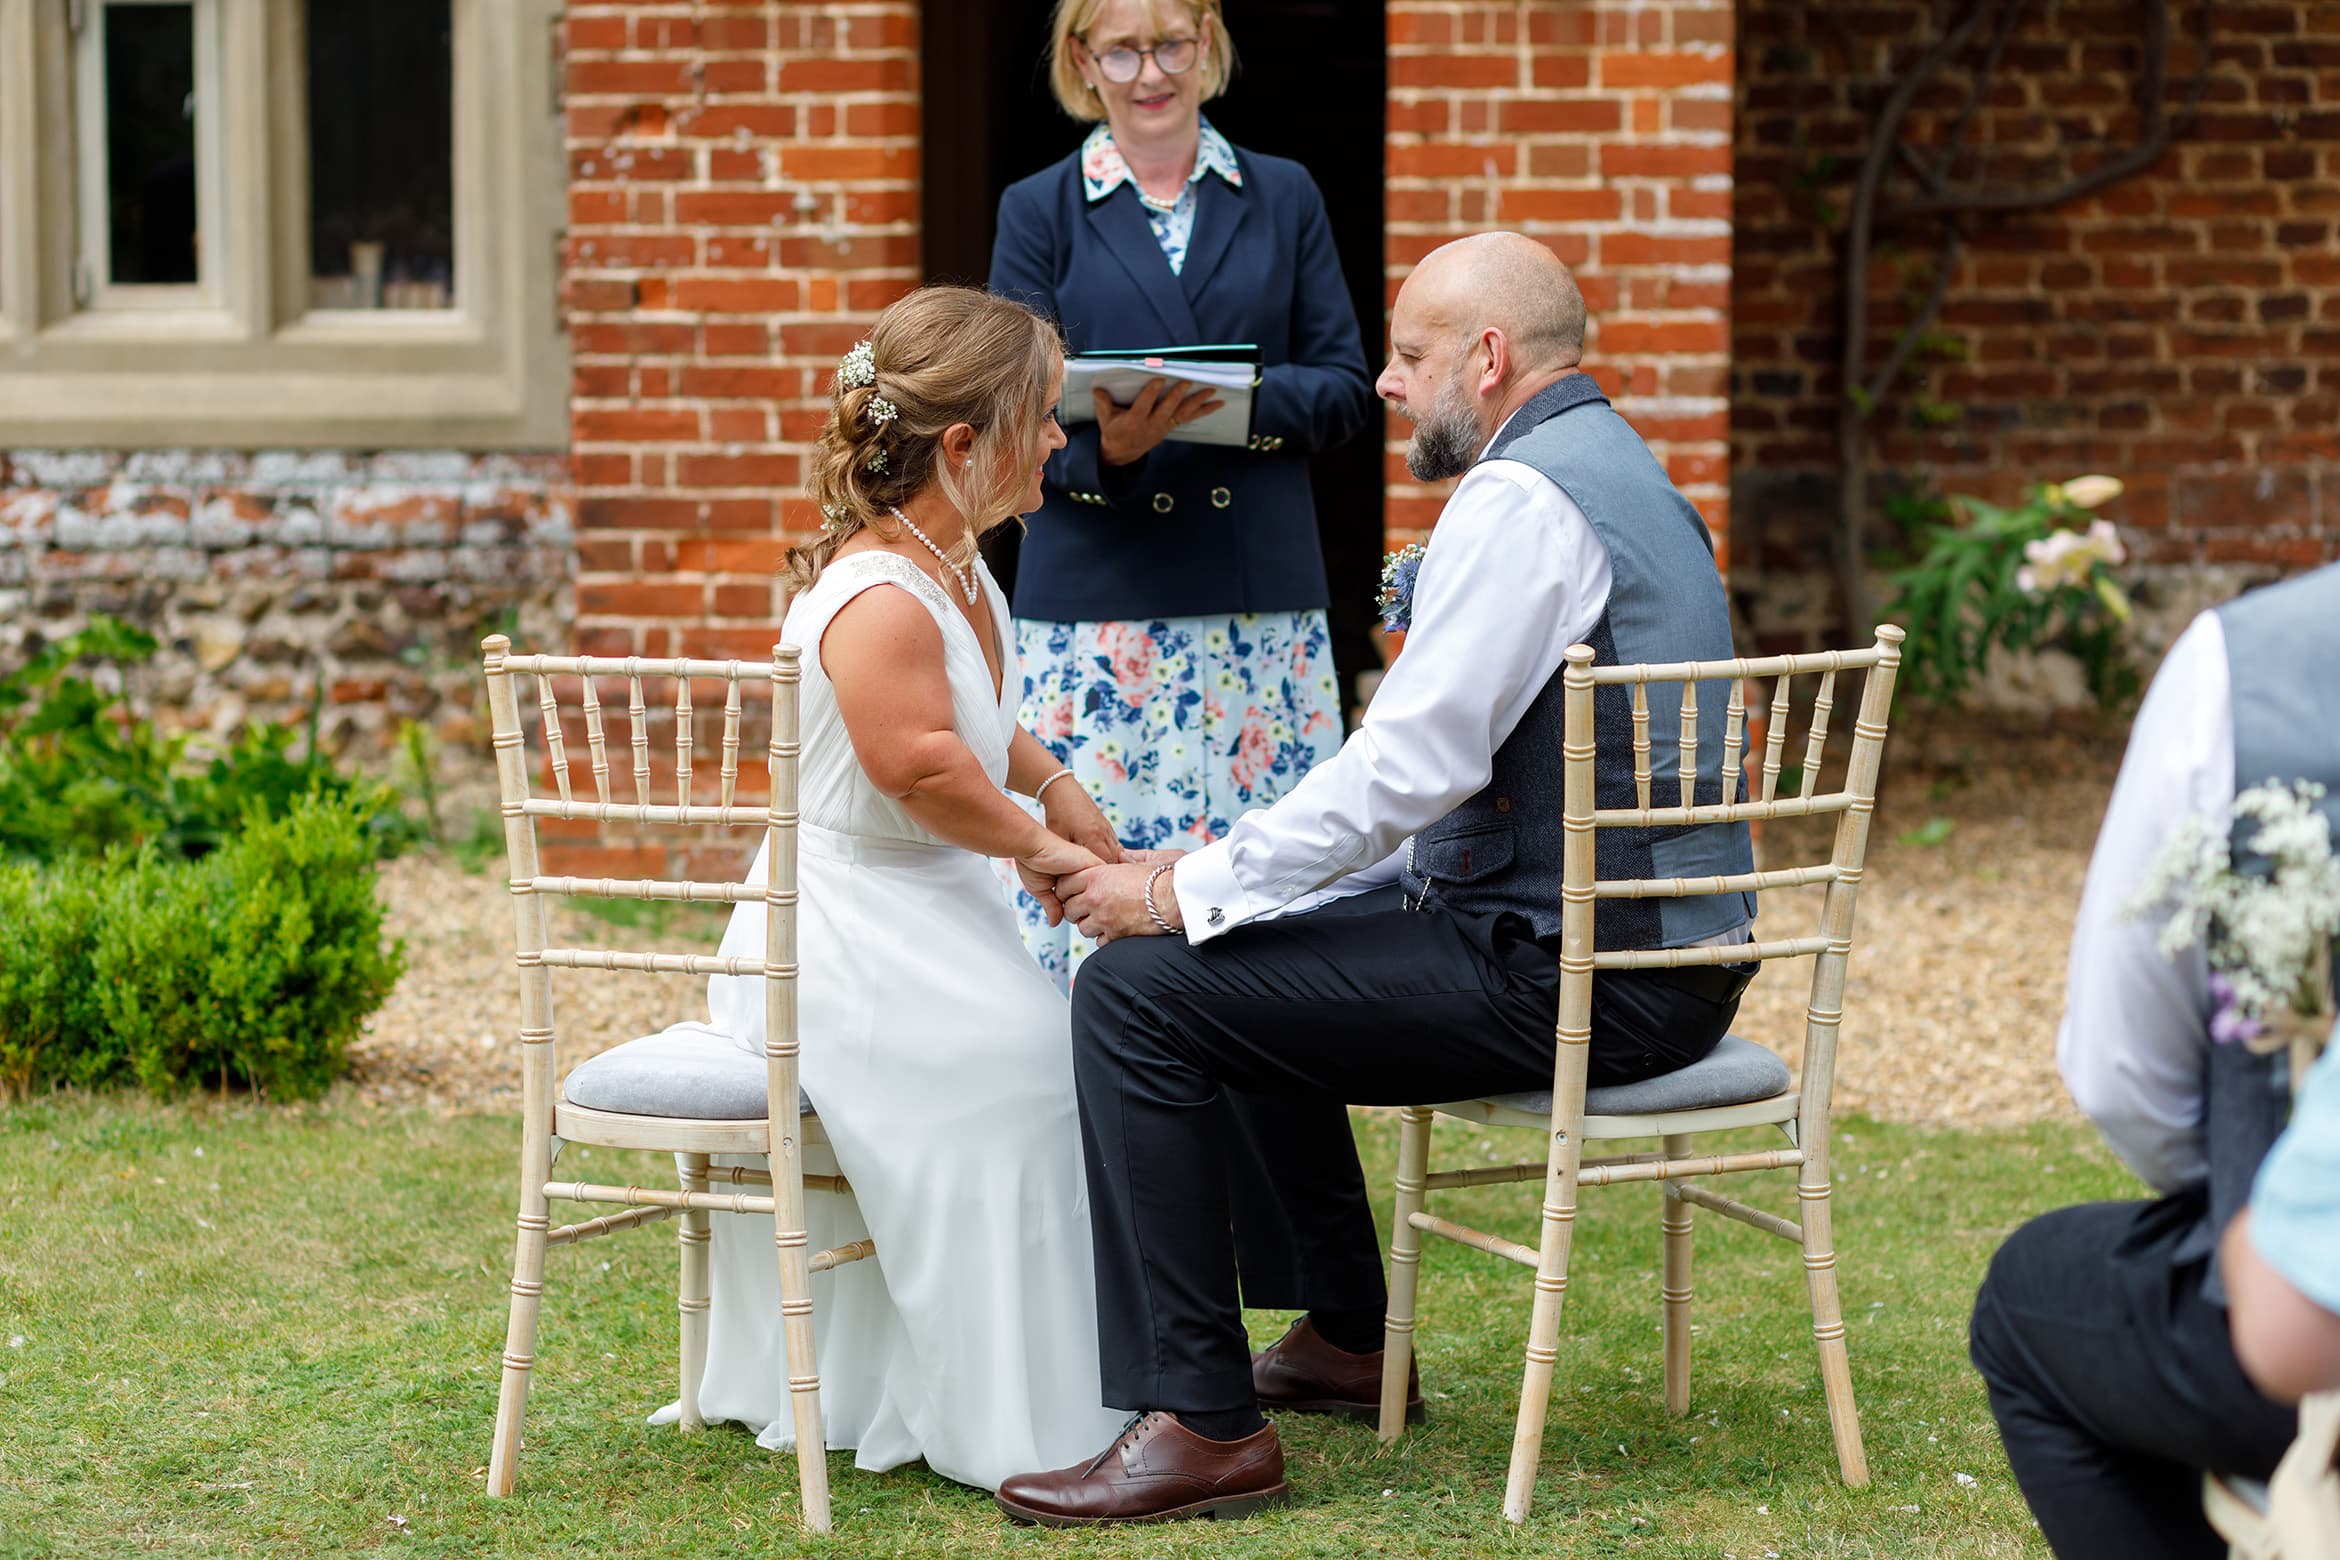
[937, 357]
[1075, 17]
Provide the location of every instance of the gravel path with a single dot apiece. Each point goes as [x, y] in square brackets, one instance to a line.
[1957, 974]
[1957, 978]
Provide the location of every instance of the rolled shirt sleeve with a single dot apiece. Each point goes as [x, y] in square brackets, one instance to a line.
[2133, 1043]
[1514, 574]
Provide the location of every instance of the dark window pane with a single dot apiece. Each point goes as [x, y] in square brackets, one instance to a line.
[150, 141]
[381, 155]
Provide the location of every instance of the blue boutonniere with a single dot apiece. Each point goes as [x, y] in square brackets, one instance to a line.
[1397, 587]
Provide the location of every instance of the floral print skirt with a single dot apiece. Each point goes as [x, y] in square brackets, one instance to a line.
[1177, 726]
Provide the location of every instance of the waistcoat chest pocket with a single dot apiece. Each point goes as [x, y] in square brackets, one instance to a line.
[1468, 854]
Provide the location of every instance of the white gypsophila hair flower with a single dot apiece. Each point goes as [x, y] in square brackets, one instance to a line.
[858, 367]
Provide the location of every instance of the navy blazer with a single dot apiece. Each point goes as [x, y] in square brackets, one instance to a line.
[1187, 529]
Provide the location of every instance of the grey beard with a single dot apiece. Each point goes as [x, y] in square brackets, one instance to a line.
[1444, 444]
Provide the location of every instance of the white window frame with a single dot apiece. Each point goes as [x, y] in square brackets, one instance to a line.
[93, 285]
[240, 359]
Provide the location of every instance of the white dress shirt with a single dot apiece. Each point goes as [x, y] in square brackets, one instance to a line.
[2136, 1033]
[1514, 574]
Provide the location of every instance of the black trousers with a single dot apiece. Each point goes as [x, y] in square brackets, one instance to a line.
[1213, 1087]
[2113, 1381]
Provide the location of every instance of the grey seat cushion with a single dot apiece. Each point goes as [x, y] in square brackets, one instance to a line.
[1733, 1073]
[689, 1070]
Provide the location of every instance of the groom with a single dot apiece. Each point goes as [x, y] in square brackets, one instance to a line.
[1387, 933]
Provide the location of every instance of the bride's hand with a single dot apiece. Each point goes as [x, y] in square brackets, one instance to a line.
[1073, 814]
[1039, 870]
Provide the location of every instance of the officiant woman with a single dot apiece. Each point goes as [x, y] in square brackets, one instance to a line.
[1170, 596]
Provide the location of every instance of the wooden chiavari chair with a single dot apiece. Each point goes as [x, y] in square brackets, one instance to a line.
[2295, 1515]
[1740, 1085]
[723, 1109]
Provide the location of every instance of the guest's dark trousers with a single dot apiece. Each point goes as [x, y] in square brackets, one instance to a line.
[2113, 1381]
[1214, 1082]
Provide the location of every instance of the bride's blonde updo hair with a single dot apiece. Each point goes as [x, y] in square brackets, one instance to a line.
[941, 355]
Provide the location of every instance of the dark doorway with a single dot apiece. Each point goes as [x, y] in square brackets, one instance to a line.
[1310, 84]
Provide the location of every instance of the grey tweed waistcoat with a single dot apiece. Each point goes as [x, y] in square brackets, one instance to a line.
[1500, 850]
[2282, 644]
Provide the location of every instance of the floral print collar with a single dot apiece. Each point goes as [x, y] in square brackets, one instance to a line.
[1103, 171]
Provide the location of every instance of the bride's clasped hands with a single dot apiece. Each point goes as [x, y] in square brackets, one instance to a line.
[1074, 839]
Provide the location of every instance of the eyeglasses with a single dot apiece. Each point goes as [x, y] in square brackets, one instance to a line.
[1121, 66]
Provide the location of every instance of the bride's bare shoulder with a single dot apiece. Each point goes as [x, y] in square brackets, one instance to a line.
[875, 622]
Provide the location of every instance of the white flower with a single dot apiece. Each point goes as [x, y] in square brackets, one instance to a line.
[2063, 558]
[858, 367]
[2262, 932]
[2105, 537]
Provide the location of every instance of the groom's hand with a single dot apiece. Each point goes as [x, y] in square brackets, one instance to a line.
[1052, 860]
[1110, 902]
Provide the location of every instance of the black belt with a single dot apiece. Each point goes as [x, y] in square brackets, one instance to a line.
[1717, 983]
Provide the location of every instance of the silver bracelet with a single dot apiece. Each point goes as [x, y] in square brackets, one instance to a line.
[1151, 878]
[1042, 788]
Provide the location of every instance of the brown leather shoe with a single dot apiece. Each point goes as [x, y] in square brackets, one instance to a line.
[1300, 1373]
[1156, 1470]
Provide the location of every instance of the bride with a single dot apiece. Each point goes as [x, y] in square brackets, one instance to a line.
[935, 1050]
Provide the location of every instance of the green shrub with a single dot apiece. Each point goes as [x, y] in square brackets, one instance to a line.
[80, 775]
[253, 966]
[51, 1029]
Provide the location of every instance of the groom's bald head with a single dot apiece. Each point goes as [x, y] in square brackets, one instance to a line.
[1510, 283]
[1482, 324]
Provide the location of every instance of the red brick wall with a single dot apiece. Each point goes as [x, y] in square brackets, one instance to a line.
[2180, 330]
[1603, 129]
[743, 186]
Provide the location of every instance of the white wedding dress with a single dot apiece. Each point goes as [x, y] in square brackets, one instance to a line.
[938, 1057]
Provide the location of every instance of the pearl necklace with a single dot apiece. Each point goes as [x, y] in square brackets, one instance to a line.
[965, 577]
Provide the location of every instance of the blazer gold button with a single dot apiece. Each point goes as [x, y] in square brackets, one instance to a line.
[1162, 503]
[1503, 804]
[1221, 498]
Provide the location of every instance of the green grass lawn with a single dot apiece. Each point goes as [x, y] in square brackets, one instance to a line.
[251, 1330]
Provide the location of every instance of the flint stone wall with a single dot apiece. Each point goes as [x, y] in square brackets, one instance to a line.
[274, 579]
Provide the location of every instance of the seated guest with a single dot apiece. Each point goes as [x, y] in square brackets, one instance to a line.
[2281, 1257]
[2101, 1330]
[1233, 1012]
